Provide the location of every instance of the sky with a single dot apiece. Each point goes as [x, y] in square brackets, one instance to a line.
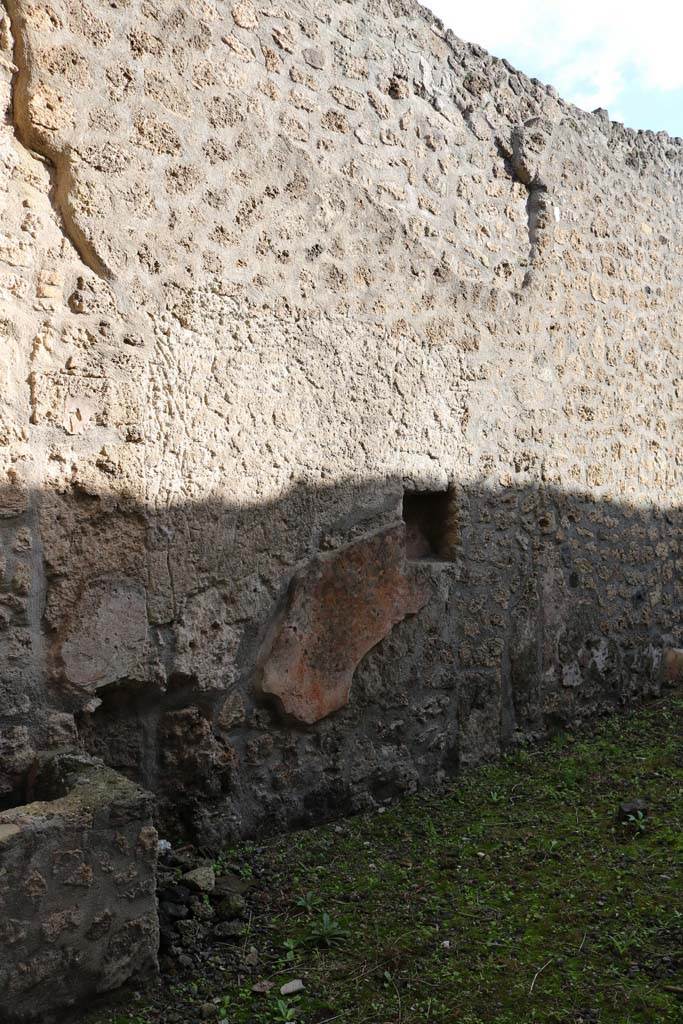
[623, 55]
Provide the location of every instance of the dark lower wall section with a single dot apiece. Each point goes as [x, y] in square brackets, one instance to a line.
[368, 673]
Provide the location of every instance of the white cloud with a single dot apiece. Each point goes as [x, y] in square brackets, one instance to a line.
[589, 49]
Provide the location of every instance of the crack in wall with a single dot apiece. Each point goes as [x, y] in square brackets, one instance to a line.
[539, 212]
[538, 205]
[518, 155]
[57, 162]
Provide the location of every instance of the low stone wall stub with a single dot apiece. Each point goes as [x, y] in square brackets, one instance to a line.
[77, 890]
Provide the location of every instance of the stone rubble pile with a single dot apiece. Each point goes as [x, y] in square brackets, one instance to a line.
[199, 908]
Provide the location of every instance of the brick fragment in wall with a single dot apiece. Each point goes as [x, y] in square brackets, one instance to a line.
[672, 665]
[338, 608]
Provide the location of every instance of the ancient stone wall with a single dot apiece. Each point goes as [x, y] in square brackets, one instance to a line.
[77, 889]
[340, 418]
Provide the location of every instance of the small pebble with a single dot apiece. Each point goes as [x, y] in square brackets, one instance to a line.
[292, 987]
[251, 959]
[200, 879]
[262, 988]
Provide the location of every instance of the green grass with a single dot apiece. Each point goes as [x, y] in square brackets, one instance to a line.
[512, 897]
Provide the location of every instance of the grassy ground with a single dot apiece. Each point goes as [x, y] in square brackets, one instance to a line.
[512, 897]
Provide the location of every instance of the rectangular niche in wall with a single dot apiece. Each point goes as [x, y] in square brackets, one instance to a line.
[431, 519]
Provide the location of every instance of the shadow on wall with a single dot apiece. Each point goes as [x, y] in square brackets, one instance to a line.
[270, 666]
